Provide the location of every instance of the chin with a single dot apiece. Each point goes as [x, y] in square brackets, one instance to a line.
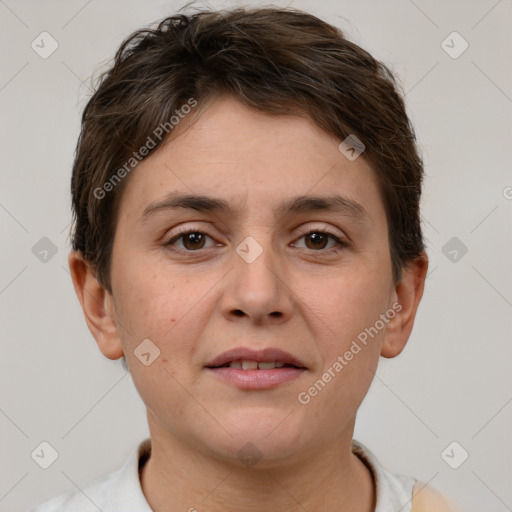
[261, 438]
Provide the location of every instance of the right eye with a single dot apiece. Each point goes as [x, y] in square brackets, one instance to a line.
[191, 240]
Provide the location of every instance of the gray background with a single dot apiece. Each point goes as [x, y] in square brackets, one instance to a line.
[452, 383]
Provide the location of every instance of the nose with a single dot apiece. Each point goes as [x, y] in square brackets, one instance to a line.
[257, 289]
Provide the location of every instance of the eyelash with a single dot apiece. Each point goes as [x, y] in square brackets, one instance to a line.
[341, 244]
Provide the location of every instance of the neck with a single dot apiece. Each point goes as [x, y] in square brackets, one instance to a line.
[330, 478]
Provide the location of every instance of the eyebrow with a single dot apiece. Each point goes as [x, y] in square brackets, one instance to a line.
[299, 204]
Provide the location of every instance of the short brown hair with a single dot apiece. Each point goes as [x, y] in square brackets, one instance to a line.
[275, 60]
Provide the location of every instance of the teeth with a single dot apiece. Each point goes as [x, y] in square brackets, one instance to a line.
[267, 366]
[255, 365]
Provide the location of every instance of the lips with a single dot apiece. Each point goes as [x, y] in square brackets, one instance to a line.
[256, 370]
[247, 359]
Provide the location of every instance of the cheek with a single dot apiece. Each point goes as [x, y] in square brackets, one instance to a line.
[155, 307]
[349, 336]
[345, 304]
[349, 344]
[152, 304]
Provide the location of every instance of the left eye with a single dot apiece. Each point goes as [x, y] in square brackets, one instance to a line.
[317, 240]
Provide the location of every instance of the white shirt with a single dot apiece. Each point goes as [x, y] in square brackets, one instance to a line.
[121, 491]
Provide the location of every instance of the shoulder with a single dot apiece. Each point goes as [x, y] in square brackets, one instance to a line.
[86, 499]
[120, 490]
[427, 499]
[401, 492]
[392, 491]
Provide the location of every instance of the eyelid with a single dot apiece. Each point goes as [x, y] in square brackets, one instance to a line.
[322, 229]
[181, 231]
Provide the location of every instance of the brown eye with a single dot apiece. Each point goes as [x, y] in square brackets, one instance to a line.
[190, 240]
[318, 240]
[193, 240]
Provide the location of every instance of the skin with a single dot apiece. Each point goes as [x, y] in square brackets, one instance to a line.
[309, 300]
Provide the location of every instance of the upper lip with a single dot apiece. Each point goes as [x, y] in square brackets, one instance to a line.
[266, 355]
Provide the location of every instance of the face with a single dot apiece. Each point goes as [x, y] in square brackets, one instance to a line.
[260, 271]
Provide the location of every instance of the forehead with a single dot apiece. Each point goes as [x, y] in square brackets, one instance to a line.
[251, 160]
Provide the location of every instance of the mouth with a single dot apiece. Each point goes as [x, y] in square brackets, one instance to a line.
[247, 364]
[249, 359]
[256, 369]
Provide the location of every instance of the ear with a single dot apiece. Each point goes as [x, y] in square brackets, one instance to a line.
[97, 305]
[406, 295]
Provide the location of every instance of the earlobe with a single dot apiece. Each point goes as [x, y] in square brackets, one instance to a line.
[97, 307]
[407, 294]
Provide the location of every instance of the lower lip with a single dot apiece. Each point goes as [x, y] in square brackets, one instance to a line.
[257, 379]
